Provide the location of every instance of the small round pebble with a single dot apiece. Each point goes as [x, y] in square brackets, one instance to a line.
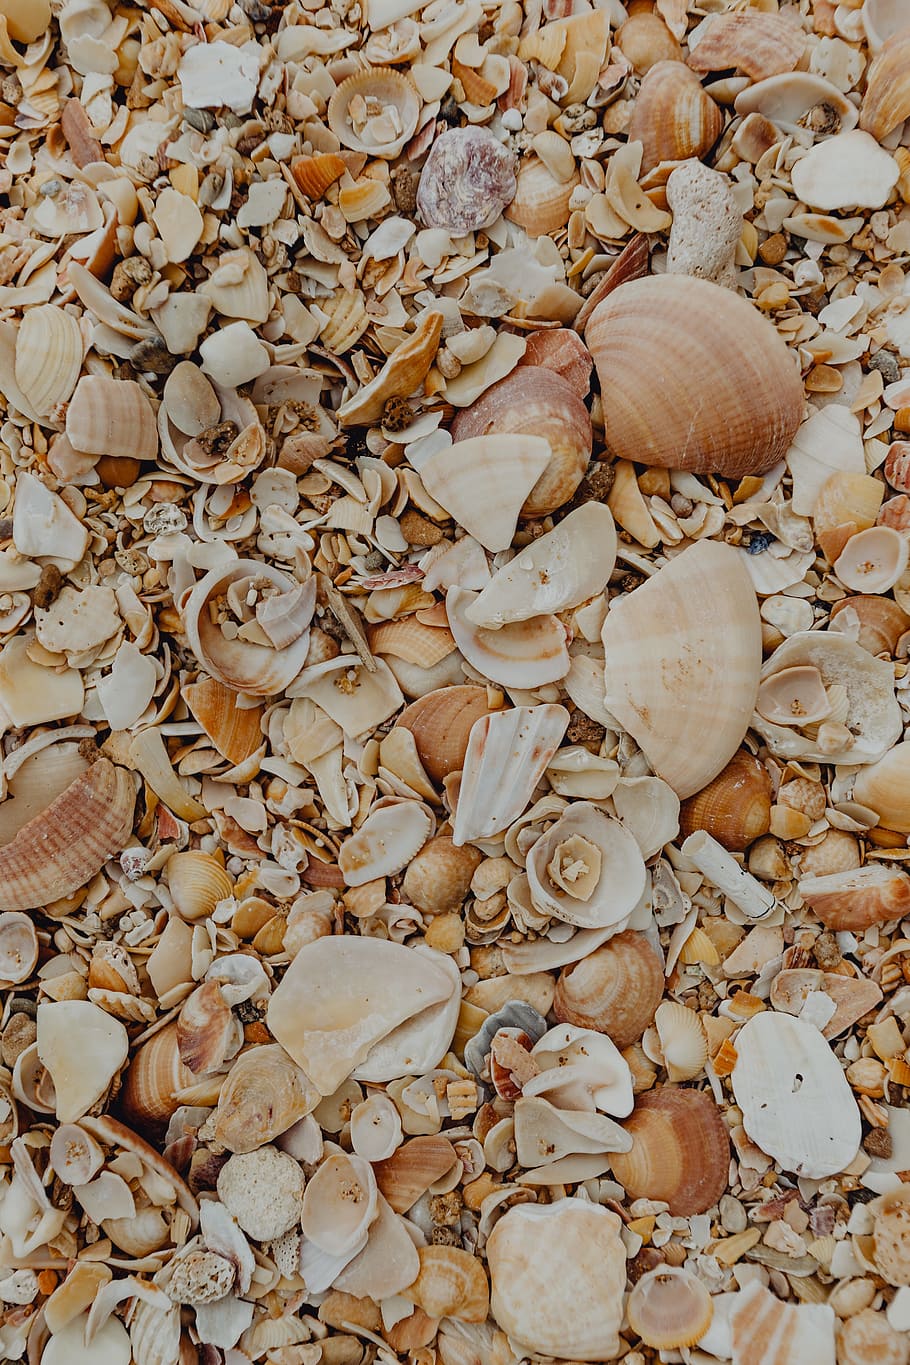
[263, 1190]
[466, 182]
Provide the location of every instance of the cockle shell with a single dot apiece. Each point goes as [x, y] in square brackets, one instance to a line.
[510, 466]
[197, 882]
[876, 623]
[401, 375]
[884, 787]
[83, 1048]
[541, 202]
[615, 989]
[557, 1275]
[244, 664]
[586, 870]
[761, 44]
[673, 117]
[375, 111]
[669, 1307]
[505, 759]
[683, 655]
[386, 842]
[735, 807]
[438, 878]
[683, 1042]
[797, 1106]
[856, 900]
[49, 349]
[235, 731]
[526, 654]
[154, 1079]
[680, 1151]
[441, 723]
[111, 417]
[536, 402]
[886, 102]
[18, 947]
[59, 850]
[263, 1096]
[649, 336]
[451, 1283]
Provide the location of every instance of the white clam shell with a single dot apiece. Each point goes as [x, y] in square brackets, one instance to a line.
[544, 1133]
[18, 947]
[507, 754]
[787, 98]
[581, 1069]
[797, 1106]
[386, 842]
[339, 1204]
[524, 654]
[847, 171]
[507, 467]
[621, 877]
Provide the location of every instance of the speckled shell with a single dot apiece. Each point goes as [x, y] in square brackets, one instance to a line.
[615, 990]
[439, 876]
[672, 117]
[657, 341]
[441, 724]
[680, 1151]
[735, 808]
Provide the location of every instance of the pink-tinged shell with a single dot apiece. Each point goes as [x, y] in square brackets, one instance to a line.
[856, 900]
[758, 43]
[897, 466]
[535, 401]
[896, 512]
[204, 1029]
[673, 117]
[886, 102]
[615, 990]
[680, 1151]
[466, 181]
[563, 352]
[59, 850]
[441, 722]
[109, 416]
[652, 338]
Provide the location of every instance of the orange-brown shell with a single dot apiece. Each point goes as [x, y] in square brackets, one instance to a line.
[439, 876]
[235, 731]
[561, 350]
[452, 1283]
[673, 118]
[735, 808]
[886, 102]
[411, 1170]
[753, 41]
[535, 401]
[680, 1151]
[314, 174]
[153, 1079]
[615, 990]
[854, 901]
[655, 340]
[645, 40]
[441, 723]
[881, 621]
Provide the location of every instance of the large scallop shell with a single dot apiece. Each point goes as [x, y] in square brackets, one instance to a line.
[683, 656]
[858, 899]
[652, 341]
[886, 102]
[673, 117]
[735, 806]
[375, 112]
[680, 1151]
[535, 401]
[59, 850]
[49, 350]
[153, 1081]
[615, 989]
[441, 723]
[506, 757]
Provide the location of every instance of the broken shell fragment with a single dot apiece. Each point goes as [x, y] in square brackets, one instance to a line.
[586, 870]
[680, 1151]
[401, 375]
[339, 1203]
[506, 757]
[876, 623]
[18, 947]
[510, 466]
[375, 1128]
[857, 899]
[615, 989]
[235, 731]
[75, 1155]
[849, 170]
[83, 1048]
[886, 102]
[385, 843]
[111, 417]
[441, 722]
[669, 1308]
[154, 1079]
[375, 111]
[527, 654]
[263, 1096]
[884, 788]
[761, 44]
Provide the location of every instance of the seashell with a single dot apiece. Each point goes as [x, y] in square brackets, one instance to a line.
[339, 1203]
[848, 170]
[527, 654]
[876, 623]
[885, 788]
[563, 352]
[441, 723]
[680, 1151]
[669, 1308]
[541, 202]
[410, 1171]
[314, 174]
[867, 1338]
[411, 640]
[49, 349]
[153, 1081]
[61, 849]
[466, 181]
[75, 1155]
[375, 1128]
[451, 1283]
[873, 560]
[510, 466]
[791, 101]
[797, 1105]
[263, 1191]
[248, 664]
[683, 654]
[262, 1097]
[142, 1234]
[872, 716]
[853, 997]
[779, 1331]
[646, 41]
[401, 375]
[111, 417]
[582, 1070]
[535, 402]
[793, 696]
[886, 101]
[191, 401]
[735, 807]
[649, 810]
[388, 1263]
[223, 452]
[856, 899]
[520, 743]
[385, 843]
[761, 44]
[683, 1042]
[557, 1275]
[372, 697]
[19, 947]
[109, 1346]
[342, 996]
[197, 882]
[615, 989]
[586, 870]
[26, 20]
[375, 111]
[205, 1029]
[235, 731]
[438, 878]
[83, 1048]
[650, 335]
[891, 1222]
[673, 117]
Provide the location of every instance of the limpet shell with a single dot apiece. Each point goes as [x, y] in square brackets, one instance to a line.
[375, 112]
[680, 1151]
[615, 989]
[669, 1308]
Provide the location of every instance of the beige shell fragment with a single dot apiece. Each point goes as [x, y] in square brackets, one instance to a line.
[506, 758]
[386, 842]
[83, 1048]
[787, 1333]
[843, 172]
[49, 349]
[111, 417]
[508, 466]
[401, 375]
[525, 654]
[586, 870]
[44, 526]
[77, 621]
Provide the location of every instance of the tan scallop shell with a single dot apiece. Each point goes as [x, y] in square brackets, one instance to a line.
[683, 1042]
[111, 417]
[49, 350]
[197, 882]
[451, 1284]
[536, 402]
[59, 850]
[735, 807]
[205, 1029]
[876, 623]
[885, 788]
[441, 722]
[646, 42]
[886, 102]
[669, 1307]
[857, 899]
[616, 989]
[541, 202]
[683, 657]
[264, 1094]
[759, 43]
[153, 1080]
[652, 338]
[235, 731]
[375, 112]
[401, 375]
[673, 117]
[680, 1151]
[563, 352]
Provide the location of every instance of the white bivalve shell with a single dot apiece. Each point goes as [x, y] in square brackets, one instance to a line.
[581, 1069]
[18, 947]
[375, 1128]
[528, 653]
[797, 1106]
[506, 757]
[388, 839]
[586, 870]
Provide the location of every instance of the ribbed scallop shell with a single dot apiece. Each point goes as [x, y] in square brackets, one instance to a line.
[876, 623]
[235, 731]
[680, 1151]
[314, 174]
[615, 990]
[673, 117]
[886, 102]
[380, 87]
[683, 656]
[441, 722]
[111, 417]
[154, 1076]
[654, 342]
[49, 350]
[59, 850]
[197, 882]
[541, 202]
[735, 807]
[761, 44]
[855, 900]
[451, 1284]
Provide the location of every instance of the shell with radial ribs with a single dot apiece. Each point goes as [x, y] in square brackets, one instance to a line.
[680, 1151]
[375, 111]
[616, 989]
[673, 117]
[506, 757]
[735, 806]
[441, 722]
[855, 900]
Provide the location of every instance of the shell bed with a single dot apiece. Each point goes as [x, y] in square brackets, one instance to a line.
[454, 671]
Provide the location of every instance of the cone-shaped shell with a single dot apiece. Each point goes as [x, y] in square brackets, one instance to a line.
[615, 990]
[669, 1307]
[680, 1151]
[451, 1284]
[886, 102]
[351, 116]
[535, 401]
[683, 657]
[235, 731]
[506, 757]
[441, 723]
[653, 339]
[735, 807]
[856, 900]
[153, 1079]
[58, 851]
[673, 118]
[49, 350]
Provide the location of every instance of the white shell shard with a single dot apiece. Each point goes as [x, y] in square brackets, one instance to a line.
[386, 842]
[683, 657]
[507, 756]
[581, 1069]
[43, 525]
[649, 808]
[786, 99]
[339, 1204]
[544, 1133]
[420, 1043]
[340, 996]
[375, 1128]
[388, 1263]
[31, 694]
[581, 842]
[77, 621]
[524, 654]
[765, 1329]
[83, 1048]
[109, 1346]
[215, 74]
[562, 569]
[797, 1106]
[350, 695]
[847, 171]
[506, 467]
[18, 947]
